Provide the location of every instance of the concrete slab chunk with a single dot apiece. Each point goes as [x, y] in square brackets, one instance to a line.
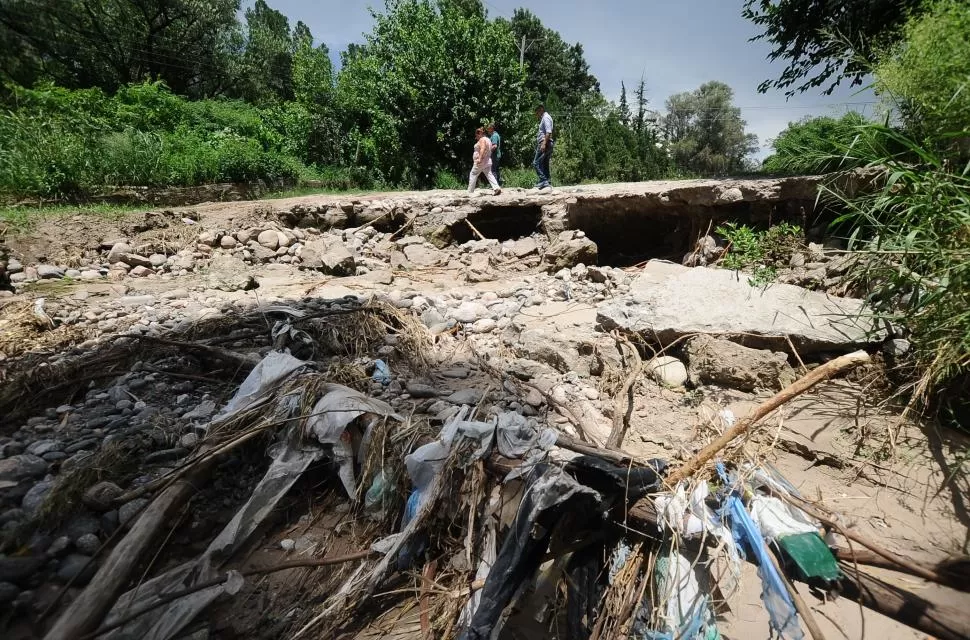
[667, 301]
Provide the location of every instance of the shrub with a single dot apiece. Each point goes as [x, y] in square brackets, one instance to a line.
[812, 145]
[759, 251]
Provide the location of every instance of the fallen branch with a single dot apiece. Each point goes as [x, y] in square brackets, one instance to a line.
[91, 605]
[808, 619]
[800, 386]
[940, 621]
[238, 360]
[474, 230]
[819, 513]
[202, 586]
[623, 406]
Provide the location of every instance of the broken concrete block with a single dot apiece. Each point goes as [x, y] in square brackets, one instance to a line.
[667, 301]
[724, 363]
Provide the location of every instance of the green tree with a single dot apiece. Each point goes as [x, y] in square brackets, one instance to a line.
[705, 131]
[624, 105]
[110, 43]
[264, 70]
[426, 77]
[928, 74]
[557, 71]
[814, 145]
[826, 41]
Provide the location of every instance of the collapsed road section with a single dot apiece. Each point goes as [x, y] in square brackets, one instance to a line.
[242, 423]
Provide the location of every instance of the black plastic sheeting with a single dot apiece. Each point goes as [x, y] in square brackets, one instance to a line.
[585, 491]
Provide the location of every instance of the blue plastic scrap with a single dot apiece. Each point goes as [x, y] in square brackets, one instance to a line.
[382, 373]
[782, 615]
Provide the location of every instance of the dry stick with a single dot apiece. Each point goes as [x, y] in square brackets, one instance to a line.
[427, 580]
[624, 401]
[93, 603]
[474, 230]
[404, 228]
[941, 621]
[911, 567]
[800, 606]
[374, 221]
[202, 586]
[800, 386]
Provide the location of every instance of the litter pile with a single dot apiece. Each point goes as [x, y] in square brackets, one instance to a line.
[475, 518]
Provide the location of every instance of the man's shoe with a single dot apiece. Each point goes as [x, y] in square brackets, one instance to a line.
[497, 192]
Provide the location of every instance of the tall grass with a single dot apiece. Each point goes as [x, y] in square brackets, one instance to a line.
[912, 229]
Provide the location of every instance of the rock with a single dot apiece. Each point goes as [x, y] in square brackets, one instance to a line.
[207, 238]
[140, 272]
[74, 274]
[81, 525]
[228, 242]
[186, 262]
[40, 447]
[59, 547]
[88, 544]
[229, 273]
[797, 260]
[22, 466]
[328, 256]
[469, 312]
[157, 259]
[558, 350]
[77, 569]
[597, 274]
[8, 592]
[525, 247]
[117, 250]
[189, 440]
[418, 390]
[707, 250]
[667, 370]
[14, 266]
[729, 196]
[90, 274]
[99, 497]
[130, 509]
[19, 568]
[12, 515]
[667, 301]
[203, 411]
[422, 256]
[485, 325]
[35, 497]
[897, 347]
[134, 260]
[724, 363]
[816, 252]
[465, 396]
[570, 249]
[269, 239]
[287, 544]
[48, 271]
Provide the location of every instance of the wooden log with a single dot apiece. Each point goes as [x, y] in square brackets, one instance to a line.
[800, 386]
[940, 621]
[89, 608]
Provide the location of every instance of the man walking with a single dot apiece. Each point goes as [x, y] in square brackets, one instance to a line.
[496, 153]
[544, 146]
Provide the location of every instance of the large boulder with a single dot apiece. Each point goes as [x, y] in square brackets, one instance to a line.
[569, 249]
[668, 301]
[329, 256]
[727, 364]
[229, 273]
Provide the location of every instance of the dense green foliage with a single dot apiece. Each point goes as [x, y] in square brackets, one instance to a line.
[759, 252]
[826, 41]
[189, 91]
[928, 74]
[815, 145]
[706, 131]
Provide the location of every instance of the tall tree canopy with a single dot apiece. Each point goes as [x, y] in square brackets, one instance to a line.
[110, 43]
[556, 71]
[826, 41]
[411, 104]
[706, 132]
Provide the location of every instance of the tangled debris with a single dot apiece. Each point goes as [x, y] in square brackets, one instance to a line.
[469, 520]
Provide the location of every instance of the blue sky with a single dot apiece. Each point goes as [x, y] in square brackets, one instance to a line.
[675, 45]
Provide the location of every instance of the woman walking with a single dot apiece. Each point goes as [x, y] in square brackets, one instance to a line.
[482, 163]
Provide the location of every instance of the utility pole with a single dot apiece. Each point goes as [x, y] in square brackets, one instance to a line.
[522, 53]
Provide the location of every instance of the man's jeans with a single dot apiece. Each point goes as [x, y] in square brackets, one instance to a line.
[541, 164]
[497, 168]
